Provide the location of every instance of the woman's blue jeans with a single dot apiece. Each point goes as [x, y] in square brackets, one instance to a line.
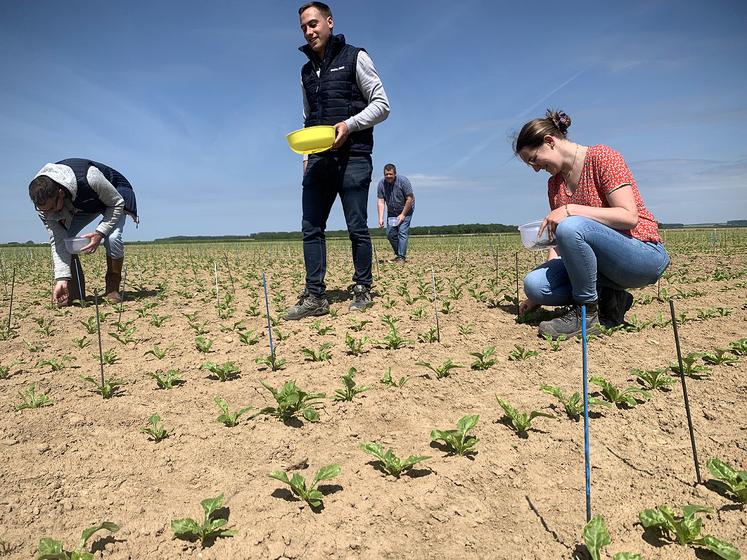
[113, 242]
[327, 176]
[398, 236]
[593, 254]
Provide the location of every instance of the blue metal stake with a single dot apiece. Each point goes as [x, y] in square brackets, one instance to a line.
[267, 308]
[586, 414]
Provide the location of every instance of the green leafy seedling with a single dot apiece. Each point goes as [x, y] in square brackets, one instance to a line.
[81, 342]
[738, 347]
[291, 400]
[358, 326]
[520, 421]
[203, 344]
[429, 336]
[483, 358]
[555, 343]
[354, 345]
[321, 355]
[317, 327]
[690, 368]
[574, 404]
[467, 329]
[653, 379]
[248, 337]
[629, 396]
[57, 364]
[309, 494]
[519, 353]
[596, 537]
[444, 370]
[459, 440]
[390, 382]
[157, 321]
[156, 352]
[89, 325]
[212, 527]
[223, 372]
[155, 429]
[349, 389]
[51, 549]
[109, 357]
[108, 389]
[732, 481]
[31, 399]
[168, 379]
[718, 357]
[685, 529]
[389, 461]
[272, 361]
[227, 418]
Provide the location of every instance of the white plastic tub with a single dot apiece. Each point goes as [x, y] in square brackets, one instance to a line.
[392, 221]
[530, 238]
[75, 244]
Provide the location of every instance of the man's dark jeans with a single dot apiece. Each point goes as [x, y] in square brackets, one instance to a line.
[326, 177]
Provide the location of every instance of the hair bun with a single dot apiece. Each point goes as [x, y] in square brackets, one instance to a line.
[560, 119]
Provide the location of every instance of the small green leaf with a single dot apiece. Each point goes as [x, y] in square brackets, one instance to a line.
[326, 473]
[722, 548]
[596, 536]
[185, 528]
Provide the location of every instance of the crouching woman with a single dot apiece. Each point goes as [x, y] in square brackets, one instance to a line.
[605, 238]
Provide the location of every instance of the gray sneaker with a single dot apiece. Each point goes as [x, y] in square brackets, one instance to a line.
[613, 304]
[361, 298]
[308, 305]
[569, 325]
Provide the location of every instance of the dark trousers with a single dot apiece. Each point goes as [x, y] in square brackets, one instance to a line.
[326, 177]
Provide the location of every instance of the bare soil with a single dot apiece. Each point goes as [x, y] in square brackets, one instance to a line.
[83, 459]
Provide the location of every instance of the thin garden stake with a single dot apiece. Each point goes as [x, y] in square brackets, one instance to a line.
[587, 461]
[517, 283]
[684, 393]
[267, 309]
[435, 308]
[5, 281]
[122, 292]
[78, 274]
[10, 309]
[98, 330]
[230, 276]
[217, 297]
[376, 258]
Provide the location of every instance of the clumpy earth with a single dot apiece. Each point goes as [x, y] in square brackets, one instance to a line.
[84, 459]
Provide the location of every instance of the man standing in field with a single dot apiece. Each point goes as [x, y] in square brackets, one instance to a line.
[341, 87]
[69, 195]
[395, 192]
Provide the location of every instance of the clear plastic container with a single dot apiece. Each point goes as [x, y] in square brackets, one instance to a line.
[75, 244]
[392, 221]
[531, 239]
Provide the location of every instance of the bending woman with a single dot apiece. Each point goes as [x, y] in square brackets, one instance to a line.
[605, 239]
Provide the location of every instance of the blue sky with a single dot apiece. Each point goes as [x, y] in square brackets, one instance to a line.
[191, 100]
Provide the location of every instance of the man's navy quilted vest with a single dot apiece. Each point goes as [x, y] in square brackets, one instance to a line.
[334, 96]
[87, 200]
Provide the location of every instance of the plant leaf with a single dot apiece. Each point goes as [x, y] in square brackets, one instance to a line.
[186, 528]
[326, 473]
[596, 536]
[86, 534]
[466, 423]
[717, 546]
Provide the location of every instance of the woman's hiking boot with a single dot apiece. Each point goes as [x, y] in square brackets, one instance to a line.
[570, 324]
[308, 305]
[613, 304]
[113, 279]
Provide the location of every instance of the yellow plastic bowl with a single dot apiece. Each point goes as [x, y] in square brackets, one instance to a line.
[312, 140]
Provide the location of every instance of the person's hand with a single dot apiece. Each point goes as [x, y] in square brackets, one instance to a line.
[60, 294]
[96, 239]
[381, 222]
[552, 220]
[400, 219]
[341, 134]
[527, 305]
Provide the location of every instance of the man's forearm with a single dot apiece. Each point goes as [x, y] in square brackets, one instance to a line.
[408, 205]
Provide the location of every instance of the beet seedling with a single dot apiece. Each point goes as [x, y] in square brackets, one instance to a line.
[31, 399]
[55, 363]
[573, 405]
[321, 355]
[519, 353]
[389, 382]
[554, 343]
[483, 358]
[291, 400]
[429, 336]
[51, 549]
[718, 357]
[167, 380]
[629, 396]
[417, 313]
[459, 440]
[653, 379]
[81, 342]
[109, 357]
[212, 527]
[685, 529]
[444, 370]
[272, 361]
[157, 321]
[203, 344]
[248, 337]
[389, 461]
[108, 389]
[156, 352]
[596, 537]
[223, 372]
[520, 421]
[227, 418]
[355, 346]
[349, 390]
[5, 370]
[358, 326]
[738, 347]
[317, 327]
[309, 494]
[467, 329]
[155, 429]
[690, 368]
[732, 481]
